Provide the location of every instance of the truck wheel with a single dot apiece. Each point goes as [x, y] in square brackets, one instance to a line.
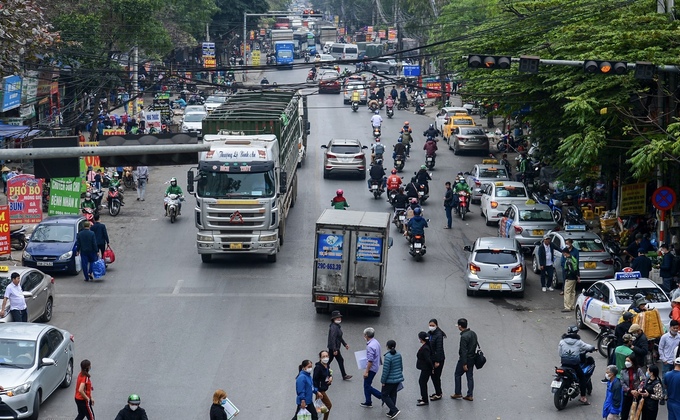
[271, 258]
[206, 258]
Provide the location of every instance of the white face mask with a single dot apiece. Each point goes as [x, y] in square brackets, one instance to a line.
[133, 407]
[606, 376]
[431, 328]
[337, 321]
[325, 360]
[309, 370]
[629, 364]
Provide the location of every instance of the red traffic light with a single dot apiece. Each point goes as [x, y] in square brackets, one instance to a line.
[605, 67]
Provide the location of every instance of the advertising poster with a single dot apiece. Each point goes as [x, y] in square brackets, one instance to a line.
[24, 196]
[153, 119]
[5, 247]
[369, 249]
[64, 196]
[330, 247]
[11, 93]
[94, 160]
[633, 199]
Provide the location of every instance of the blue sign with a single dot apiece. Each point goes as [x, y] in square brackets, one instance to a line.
[411, 71]
[369, 249]
[11, 87]
[208, 49]
[575, 228]
[627, 275]
[330, 247]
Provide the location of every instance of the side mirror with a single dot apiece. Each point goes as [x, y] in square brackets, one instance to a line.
[479, 190]
[467, 248]
[323, 146]
[467, 173]
[364, 147]
[46, 361]
[190, 182]
[587, 293]
[283, 178]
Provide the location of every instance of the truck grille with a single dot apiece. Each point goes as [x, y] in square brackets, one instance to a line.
[236, 216]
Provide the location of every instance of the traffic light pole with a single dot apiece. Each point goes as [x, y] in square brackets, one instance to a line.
[630, 66]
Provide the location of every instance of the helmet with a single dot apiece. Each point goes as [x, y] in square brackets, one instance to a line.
[399, 140]
[115, 175]
[378, 161]
[423, 167]
[414, 201]
[88, 196]
[134, 399]
[417, 211]
[405, 122]
[394, 171]
[431, 125]
[377, 111]
[173, 181]
[339, 193]
[627, 316]
[572, 329]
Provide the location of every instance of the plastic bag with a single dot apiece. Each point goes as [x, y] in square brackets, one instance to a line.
[109, 256]
[98, 268]
[303, 414]
[320, 406]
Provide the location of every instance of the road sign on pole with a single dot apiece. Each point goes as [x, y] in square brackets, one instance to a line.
[663, 199]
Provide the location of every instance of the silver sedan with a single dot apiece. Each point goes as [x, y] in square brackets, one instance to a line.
[495, 265]
[38, 290]
[526, 222]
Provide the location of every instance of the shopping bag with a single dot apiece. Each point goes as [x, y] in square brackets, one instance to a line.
[320, 406]
[303, 414]
[638, 413]
[480, 359]
[109, 256]
[98, 268]
[633, 409]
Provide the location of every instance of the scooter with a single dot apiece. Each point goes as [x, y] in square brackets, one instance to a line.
[429, 162]
[606, 340]
[391, 194]
[88, 213]
[376, 188]
[400, 219]
[390, 111]
[128, 179]
[614, 249]
[311, 76]
[381, 103]
[402, 105]
[376, 132]
[355, 106]
[417, 248]
[554, 204]
[113, 200]
[565, 386]
[17, 238]
[399, 162]
[420, 108]
[463, 200]
[172, 202]
[422, 197]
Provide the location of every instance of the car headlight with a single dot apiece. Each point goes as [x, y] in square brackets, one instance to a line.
[21, 389]
[27, 256]
[204, 237]
[185, 128]
[66, 256]
[265, 238]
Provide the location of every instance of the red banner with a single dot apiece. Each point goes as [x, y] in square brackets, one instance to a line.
[4, 231]
[24, 196]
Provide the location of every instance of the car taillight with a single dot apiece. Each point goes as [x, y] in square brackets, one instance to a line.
[52, 280]
[518, 229]
[331, 155]
[494, 204]
[517, 270]
[71, 337]
[477, 183]
[474, 269]
[608, 261]
[322, 298]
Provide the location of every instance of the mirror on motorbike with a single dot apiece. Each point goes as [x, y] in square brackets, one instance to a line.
[364, 147]
[467, 248]
[190, 182]
[284, 181]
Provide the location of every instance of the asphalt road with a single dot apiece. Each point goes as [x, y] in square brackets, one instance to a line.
[171, 329]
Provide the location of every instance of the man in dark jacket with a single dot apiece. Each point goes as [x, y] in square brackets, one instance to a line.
[437, 337]
[666, 268]
[86, 245]
[132, 411]
[613, 400]
[448, 205]
[466, 360]
[100, 234]
[546, 262]
[640, 344]
[642, 263]
[623, 327]
[335, 341]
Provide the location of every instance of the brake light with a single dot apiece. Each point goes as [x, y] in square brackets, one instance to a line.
[474, 269]
[371, 301]
[331, 155]
[52, 280]
[518, 229]
[322, 298]
[608, 261]
[71, 338]
[418, 236]
[494, 204]
[478, 183]
[560, 371]
[517, 270]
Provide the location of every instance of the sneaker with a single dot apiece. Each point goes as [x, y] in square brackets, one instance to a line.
[421, 403]
[394, 416]
[543, 289]
[347, 377]
[363, 404]
[550, 289]
[566, 310]
[662, 401]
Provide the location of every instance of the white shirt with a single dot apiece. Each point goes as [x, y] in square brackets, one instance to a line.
[376, 120]
[15, 296]
[548, 255]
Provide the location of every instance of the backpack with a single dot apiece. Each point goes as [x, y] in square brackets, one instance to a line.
[379, 149]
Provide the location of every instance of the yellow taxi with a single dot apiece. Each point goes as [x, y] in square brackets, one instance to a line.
[453, 121]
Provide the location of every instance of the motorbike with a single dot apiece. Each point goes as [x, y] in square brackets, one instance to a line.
[128, 178]
[399, 162]
[376, 132]
[400, 219]
[429, 162]
[88, 213]
[306, 58]
[614, 249]
[606, 340]
[417, 248]
[381, 104]
[372, 106]
[355, 106]
[172, 206]
[311, 76]
[554, 204]
[390, 111]
[97, 195]
[565, 386]
[420, 108]
[376, 188]
[463, 202]
[391, 194]
[114, 201]
[17, 238]
[402, 105]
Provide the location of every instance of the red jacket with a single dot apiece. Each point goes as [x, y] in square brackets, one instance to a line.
[430, 147]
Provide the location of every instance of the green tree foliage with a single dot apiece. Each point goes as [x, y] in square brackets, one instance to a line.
[229, 18]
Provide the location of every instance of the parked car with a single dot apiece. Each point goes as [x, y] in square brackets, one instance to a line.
[465, 138]
[446, 112]
[193, 122]
[453, 122]
[52, 246]
[213, 102]
[496, 196]
[495, 264]
[344, 156]
[386, 65]
[35, 360]
[482, 173]
[329, 82]
[38, 290]
[526, 222]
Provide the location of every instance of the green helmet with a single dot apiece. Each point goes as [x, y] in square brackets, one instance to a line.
[134, 399]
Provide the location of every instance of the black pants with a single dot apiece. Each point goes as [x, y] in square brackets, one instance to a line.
[422, 381]
[389, 397]
[19, 315]
[102, 248]
[437, 378]
[84, 410]
[340, 359]
[582, 381]
[310, 408]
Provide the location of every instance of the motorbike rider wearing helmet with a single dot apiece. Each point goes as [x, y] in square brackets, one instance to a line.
[430, 148]
[132, 411]
[417, 224]
[400, 201]
[459, 186]
[623, 326]
[399, 150]
[431, 132]
[356, 96]
[422, 177]
[403, 99]
[571, 349]
[377, 173]
[173, 188]
[376, 119]
[88, 202]
[412, 189]
[373, 101]
[338, 202]
[377, 150]
[393, 181]
[406, 137]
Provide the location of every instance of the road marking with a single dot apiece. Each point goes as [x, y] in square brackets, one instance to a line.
[198, 295]
[175, 291]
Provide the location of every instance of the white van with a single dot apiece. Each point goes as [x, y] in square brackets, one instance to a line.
[345, 51]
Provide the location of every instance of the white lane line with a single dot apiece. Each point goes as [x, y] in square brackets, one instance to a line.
[175, 291]
[198, 295]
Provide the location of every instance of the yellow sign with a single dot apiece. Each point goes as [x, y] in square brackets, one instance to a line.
[633, 199]
[256, 58]
[209, 62]
[336, 19]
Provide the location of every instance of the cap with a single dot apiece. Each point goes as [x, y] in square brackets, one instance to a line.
[627, 316]
[335, 314]
[634, 328]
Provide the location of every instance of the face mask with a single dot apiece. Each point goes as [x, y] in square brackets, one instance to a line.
[337, 321]
[133, 407]
[325, 360]
[606, 376]
[629, 364]
[432, 328]
[309, 370]
[673, 333]
[647, 375]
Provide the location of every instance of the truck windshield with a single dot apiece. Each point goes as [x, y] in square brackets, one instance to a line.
[230, 185]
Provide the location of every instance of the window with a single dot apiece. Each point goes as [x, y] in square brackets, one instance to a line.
[237, 184]
[489, 256]
[536, 215]
[589, 245]
[557, 241]
[196, 117]
[44, 348]
[472, 131]
[31, 281]
[652, 294]
[595, 292]
[511, 192]
[343, 149]
[493, 173]
[17, 352]
[54, 338]
[53, 233]
[463, 121]
[4, 282]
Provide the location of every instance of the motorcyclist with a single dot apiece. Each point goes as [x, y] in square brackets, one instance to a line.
[399, 150]
[132, 411]
[461, 185]
[115, 181]
[373, 101]
[431, 132]
[338, 202]
[312, 72]
[412, 190]
[356, 96]
[417, 224]
[403, 99]
[381, 94]
[389, 102]
[88, 202]
[377, 150]
[422, 177]
[407, 137]
[570, 349]
[393, 181]
[400, 201]
[430, 148]
[376, 119]
[173, 188]
[377, 173]
[264, 81]
[623, 326]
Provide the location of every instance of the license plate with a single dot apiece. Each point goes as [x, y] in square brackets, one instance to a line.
[556, 384]
[45, 263]
[346, 160]
[421, 193]
[374, 187]
[235, 246]
[590, 265]
[418, 245]
[398, 162]
[341, 299]
[429, 159]
[495, 286]
[402, 217]
[537, 232]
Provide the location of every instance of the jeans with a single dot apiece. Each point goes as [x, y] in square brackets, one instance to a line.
[86, 260]
[665, 368]
[102, 248]
[383, 184]
[547, 275]
[667, 284]
[369, 390]
[449, 217]
[389, 397]
[569, 294]
[85, 410]
[422, 382]
[19, 315]
[141, 188]
[437, 378]
[459, 374]
[340, 359]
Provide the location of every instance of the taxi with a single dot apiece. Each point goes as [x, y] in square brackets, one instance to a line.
[526, 222]
[38, 290]
[452, 122]
[497, 196]
[445, 112]
[487, 171]
[605, 301]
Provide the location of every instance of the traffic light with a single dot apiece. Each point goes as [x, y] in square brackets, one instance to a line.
[605, 67]
[644, 70]
[529, 64]
[489, 61]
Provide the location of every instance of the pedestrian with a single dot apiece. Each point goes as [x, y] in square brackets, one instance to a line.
[424, 365]
[642, 263]
[392, 376]
[623, 326]
[675, 311]
[572, 275]
[574, 252]
[217, 411]
[305, 390]
[640, 345]
[132, 411]
[613, 400]
[448, 205]
[142, 180]
[17, 301]
[631, 378]
[622, 352]
[466, 356]
[335, 341]
[667, 345]
[86, 246]
[666, 268]
[652, 393]
[322, 377]
[671, 381]
[84, 400]
[546, 262]
[372, 366]
[5, 174]
[100, 234]
[436, 339]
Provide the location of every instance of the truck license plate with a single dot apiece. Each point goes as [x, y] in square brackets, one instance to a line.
[495, 286]
[235, 246]
[590, 265]
[341, 299]
[45, 263]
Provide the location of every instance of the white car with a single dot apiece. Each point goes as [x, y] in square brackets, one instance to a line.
[193, 122]
[605, 301]
[213, 102]
[446, 112]
[497, 196]
[190, 109]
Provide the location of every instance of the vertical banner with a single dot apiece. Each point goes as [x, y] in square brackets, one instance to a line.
[64, 196]
[4, 231]
[633, 199]
[24, 196]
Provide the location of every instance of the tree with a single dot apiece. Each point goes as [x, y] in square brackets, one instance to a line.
[230, 15]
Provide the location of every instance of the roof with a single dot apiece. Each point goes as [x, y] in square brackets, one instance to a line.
[22, 330]
[494, 242]
[257, 105]
[63, 218]
[514, 184]
[346, 141]
[630, 284]
[355, 218]
[537, 206]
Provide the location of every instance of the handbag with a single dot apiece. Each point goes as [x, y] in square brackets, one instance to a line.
[109, 256]
[99, 269]
[480, 359]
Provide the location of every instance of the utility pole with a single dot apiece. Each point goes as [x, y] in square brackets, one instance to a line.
[207, 39]
[245, 62]
[135, 81]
